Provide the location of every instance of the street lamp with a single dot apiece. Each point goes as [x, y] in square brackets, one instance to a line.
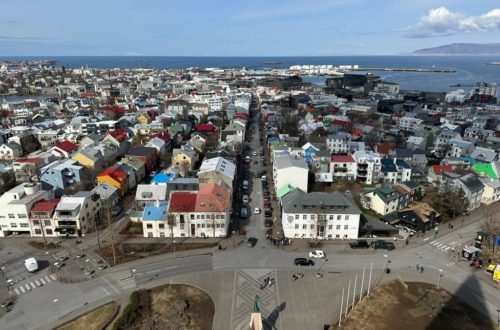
[234, 232]
[439, 278]
[174, 247]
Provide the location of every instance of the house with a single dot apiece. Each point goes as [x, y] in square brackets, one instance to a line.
[183, 184]
[469, 183]
[7, 178]
[90, 158]
[343, 167]
[382, 200]
[491, 191]
[420, 217]
[484, 155]
[185, 157]
[78, 214]
[147, 154]
[27, 168]
[309, 152]
[155, 221]
[408, 123]
[444, 138]
[217, 169]
[368, 165]
[108, 195]
[395, 170]
[461, 148]
[290, 170]
[148, 193]
[415, 142]
[416, 189]
[42, 218]
[338, 143]
[10, 150]
[16, 204]
[213, 211]
[319, 215]
[435, 171]
[159, 144]
[118, 138]
[62, 174]
[138, 166]
[64, 149]
[116, 177]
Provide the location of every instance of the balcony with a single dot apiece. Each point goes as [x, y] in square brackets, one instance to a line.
[340, 170]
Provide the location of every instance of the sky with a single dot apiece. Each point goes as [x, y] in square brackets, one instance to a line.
[241, 28]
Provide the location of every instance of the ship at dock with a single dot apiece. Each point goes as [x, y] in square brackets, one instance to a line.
[494, 63]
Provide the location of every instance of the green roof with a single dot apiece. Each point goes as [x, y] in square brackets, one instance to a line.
[176, 128]
[283, 190]
[485, 169]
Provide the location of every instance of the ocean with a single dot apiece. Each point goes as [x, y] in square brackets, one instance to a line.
[469, 69]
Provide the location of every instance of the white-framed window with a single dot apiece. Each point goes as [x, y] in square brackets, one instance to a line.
[330, 227]
[346, 227]
[338, 227]
[312, 226]
[304, 226]
[296, 217]
[347, 217]
[304, 217]
[339, 217]
[296, 226]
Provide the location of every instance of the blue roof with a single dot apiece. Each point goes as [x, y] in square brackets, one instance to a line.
[388, 165]
[402, 163]
[154, 212]
[272, 139]
[403, 153]
[163, 177]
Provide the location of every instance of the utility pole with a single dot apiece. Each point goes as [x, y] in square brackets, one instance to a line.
[341, 305]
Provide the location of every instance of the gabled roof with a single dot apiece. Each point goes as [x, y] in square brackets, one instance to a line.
[182, 202]
[66, 146]
[388, 165]
[142, 152]
[484, 154]
[212, 198]
[485, 169]
[120, 134]
[114, 172]
[438, 169]
[205, 127]
[218, 164]
[342, 159]
[386, 193]
[45, 205]
[384, 148]
[298, 201]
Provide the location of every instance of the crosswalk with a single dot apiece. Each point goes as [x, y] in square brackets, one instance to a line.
[444, 246]
[27, 287]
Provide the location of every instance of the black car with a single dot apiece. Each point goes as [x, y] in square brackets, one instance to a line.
[268, 213]
[380, 244]
[303, 262]
[268, 222]
[251, 241]
[359, 244]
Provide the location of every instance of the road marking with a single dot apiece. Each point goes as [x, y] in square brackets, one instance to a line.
[42, 281]
[16, 291]
[425, 239]
[111, 286]
[22, 289]
[28, 288]
[154, 271]
[47, 278]
[171, 267]
[439, 246]
[33, 285]
[435, 243]
[37, 283]
[107, 292]
[449, 247]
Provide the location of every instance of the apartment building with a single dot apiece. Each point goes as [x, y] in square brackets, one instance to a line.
[78, 214]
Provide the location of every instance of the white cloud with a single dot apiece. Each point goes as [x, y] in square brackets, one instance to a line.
[443, 22]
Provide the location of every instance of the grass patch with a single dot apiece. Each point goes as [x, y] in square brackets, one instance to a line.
[97, 319]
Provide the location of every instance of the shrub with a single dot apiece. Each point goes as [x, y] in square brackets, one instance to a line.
[130, 313]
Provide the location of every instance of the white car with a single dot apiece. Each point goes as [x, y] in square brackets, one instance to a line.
[256, 210]
[254, 153]
[317, 254]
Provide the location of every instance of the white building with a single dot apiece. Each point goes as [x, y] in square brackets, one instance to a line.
[338, 143]
[78, 213]
[368, 166]
[409, 123]
[319, 215]
[343, 166]
[456, 96]
[16, 204]
[491, 192]
[10, 151]
[290, 170]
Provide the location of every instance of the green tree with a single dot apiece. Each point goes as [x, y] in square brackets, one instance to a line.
[429, 142]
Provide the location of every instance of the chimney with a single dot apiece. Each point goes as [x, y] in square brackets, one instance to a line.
[157, 202]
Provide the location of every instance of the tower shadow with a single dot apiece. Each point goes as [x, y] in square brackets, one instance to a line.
[270, 322]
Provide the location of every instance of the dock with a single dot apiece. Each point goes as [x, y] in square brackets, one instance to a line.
[435, 70]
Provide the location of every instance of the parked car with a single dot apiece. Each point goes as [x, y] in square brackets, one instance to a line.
[303, 262]
[268, 213]
[359, 244]
[381, 244]
[254, 153]
[256, 210]
[245, 199]
[268, 222]
[267, 205]
[251, 241]
[317, 254]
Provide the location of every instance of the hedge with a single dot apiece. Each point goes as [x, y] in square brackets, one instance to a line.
[130, 313]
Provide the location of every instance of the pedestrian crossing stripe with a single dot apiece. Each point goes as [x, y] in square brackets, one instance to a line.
[37, 283]
[28, 288]
[439, 246]
[22, 289]
[449, 247]
[16, 291]
[33, 285]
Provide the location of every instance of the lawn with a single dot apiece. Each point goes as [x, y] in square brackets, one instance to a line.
[96, 319]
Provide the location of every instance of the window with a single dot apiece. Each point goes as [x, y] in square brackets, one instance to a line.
[346, 227]
[347, 217]
[312, 226]
[223, 225]
[338, 227]
[149, 226]
[304, 217]
[22, 216]
[313, 217]
[304, 226]
[13, 225]
[338, 217]
[150, 234]
[337, 236]
[330, 227]
[49, 231]
[198, 225]
[202, 225]
[192, 216]
[11, 216]
[25, 225]
[296, 226]
[182, 234]
[330, 217]
[161, 225]
[296, 217]
[162, 234]
[47, 223]
[36, 222]
[38, 232]
[203, 217]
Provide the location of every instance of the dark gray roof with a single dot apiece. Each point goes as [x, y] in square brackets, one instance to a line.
[473, 184]
[298, 201]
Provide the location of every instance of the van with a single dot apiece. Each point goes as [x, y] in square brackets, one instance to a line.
[264, 178]
[31, 265]
[245, 199]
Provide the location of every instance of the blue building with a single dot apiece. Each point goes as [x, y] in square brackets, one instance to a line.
[61, 174]
[155, 220]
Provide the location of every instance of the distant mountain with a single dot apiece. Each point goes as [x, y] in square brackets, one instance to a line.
[461, 49]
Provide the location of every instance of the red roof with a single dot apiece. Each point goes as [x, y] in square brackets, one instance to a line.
[342, 159]
[45, 205]
[112, 109]
[119, 135]
[241, 115]
[182, 202]
[162, 135]
[205, 127]
[438, 169]
[32, 160]
[66, 146]
[340, 122]
[384, 148]
[114, 172]
[212, 198]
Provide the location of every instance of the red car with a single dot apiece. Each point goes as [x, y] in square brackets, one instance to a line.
[267, 205]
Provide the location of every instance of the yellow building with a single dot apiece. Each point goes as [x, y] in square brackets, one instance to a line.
[144, 118]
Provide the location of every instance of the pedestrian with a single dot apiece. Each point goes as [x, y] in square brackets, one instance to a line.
[406, 241]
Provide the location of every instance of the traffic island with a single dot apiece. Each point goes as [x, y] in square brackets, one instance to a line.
[98, 318]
